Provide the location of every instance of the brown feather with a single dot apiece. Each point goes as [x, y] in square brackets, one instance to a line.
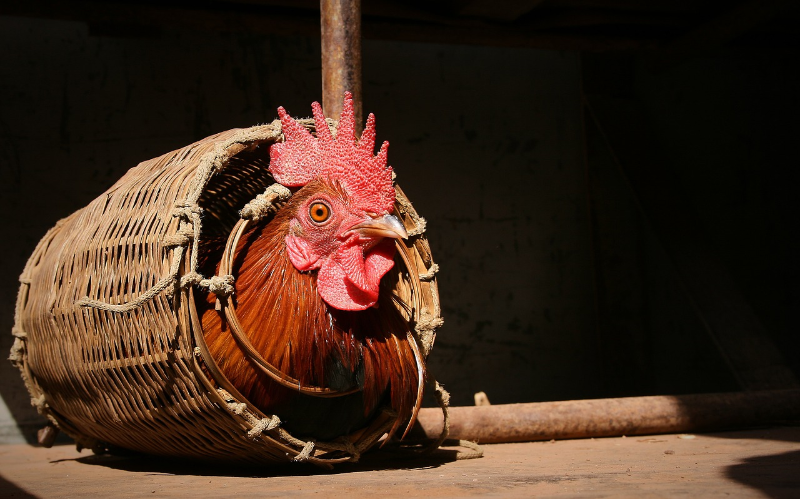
[293, 329]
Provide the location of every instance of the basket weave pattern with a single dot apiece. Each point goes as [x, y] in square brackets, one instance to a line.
[126, 368]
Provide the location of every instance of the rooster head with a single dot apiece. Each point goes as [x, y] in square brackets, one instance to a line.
[344, 226]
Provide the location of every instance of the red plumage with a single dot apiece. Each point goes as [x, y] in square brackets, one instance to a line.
[311, 293]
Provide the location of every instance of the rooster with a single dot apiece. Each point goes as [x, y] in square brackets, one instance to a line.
[309, 288]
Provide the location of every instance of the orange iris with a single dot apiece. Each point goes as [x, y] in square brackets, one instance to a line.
[319, 212]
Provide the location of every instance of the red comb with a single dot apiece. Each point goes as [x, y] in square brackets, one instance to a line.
[350, 161]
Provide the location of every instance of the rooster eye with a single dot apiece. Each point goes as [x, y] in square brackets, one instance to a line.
[319, 212]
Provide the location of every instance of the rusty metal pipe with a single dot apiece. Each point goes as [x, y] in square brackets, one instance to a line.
[614, 416]
[341, 55]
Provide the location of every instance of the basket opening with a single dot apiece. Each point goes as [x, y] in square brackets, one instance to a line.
[244, 177]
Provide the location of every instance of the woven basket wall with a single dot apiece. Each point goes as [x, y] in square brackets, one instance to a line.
[134, 379]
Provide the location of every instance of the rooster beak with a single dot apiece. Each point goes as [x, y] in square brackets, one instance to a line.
[381, 226]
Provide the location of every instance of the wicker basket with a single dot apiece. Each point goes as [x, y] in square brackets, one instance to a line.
[125, 367]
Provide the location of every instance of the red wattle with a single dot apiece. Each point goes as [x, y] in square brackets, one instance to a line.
[350, 281]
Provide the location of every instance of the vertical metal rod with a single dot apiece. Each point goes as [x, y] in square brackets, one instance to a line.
[341, 55]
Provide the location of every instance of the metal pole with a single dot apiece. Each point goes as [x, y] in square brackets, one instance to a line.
[614, 417]
[341, 55]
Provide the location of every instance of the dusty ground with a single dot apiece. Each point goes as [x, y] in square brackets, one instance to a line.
[754, 463]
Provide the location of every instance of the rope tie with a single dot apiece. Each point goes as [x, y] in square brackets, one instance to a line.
[220, 285]
[304, 454]
[193, 213]
[240, 409]
[477, 451]
[430, 274]
[237, 408]
[148, 295]
[427, 323]
[264, 424]
[191, 279]
[420, 228]
[444, 395]
[17, 354]
[227, 397]
[266, 203]
[187, 211]
[40, 403]
[180, 238]
[133, 304]
[443, 400]
[347, 446]
[220, 160]
[419, 222]
[426, 328]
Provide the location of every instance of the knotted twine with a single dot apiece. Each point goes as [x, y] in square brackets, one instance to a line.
[190, 226]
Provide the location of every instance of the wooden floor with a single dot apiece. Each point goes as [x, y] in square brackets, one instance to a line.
[753, 463]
